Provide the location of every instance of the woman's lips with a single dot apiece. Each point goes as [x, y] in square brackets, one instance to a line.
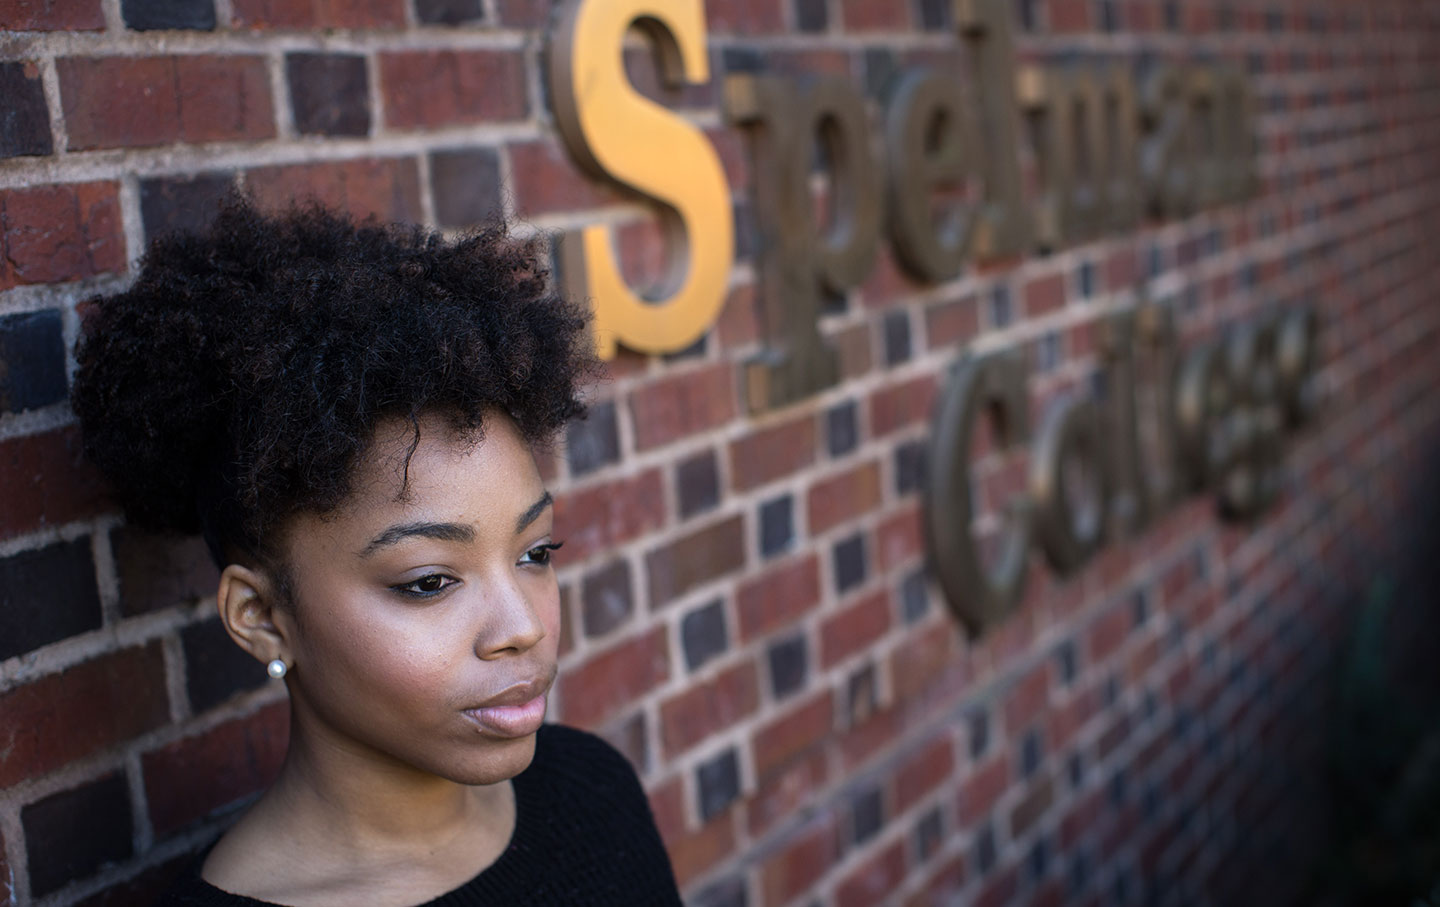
[511, 720]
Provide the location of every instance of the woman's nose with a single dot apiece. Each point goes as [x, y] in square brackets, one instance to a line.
[510, 622]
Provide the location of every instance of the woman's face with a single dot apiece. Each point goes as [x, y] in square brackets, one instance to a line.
[426, 614]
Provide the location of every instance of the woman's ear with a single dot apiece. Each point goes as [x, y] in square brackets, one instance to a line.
[249, 605]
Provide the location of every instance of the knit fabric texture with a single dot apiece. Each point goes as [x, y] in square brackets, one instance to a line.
[583, 834]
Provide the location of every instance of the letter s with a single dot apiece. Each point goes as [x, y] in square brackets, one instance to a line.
[613, 131]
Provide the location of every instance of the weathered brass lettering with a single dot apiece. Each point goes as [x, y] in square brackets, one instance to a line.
[986, 26]
[784, 120]
[980, 597]
[1067, 452]
[930, 146]
[1166, 150]
[1202, 403]
[1138, 416]
[1296, 355]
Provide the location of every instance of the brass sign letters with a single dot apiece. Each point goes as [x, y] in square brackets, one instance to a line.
[1109, 149]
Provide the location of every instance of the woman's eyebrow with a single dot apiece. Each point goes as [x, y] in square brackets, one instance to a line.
[533, 512]
[444, 532]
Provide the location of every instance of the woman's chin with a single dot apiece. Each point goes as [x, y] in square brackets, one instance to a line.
[502, 761]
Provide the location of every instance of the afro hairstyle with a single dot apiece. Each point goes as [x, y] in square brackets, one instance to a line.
[241, 377]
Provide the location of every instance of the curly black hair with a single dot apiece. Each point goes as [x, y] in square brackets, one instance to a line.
[239, 380]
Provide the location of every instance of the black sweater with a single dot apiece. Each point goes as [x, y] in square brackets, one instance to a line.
[583, 835]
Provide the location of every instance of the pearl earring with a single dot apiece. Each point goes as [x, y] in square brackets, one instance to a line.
[276, 669]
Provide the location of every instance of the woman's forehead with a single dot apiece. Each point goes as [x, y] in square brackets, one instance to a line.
[430, 471]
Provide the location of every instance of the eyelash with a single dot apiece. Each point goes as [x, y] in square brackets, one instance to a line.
[542, 558]
[539, 556]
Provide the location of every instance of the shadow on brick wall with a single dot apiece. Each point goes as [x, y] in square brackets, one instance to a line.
[1383, 745]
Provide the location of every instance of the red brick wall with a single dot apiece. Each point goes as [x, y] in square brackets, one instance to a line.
[747, 615]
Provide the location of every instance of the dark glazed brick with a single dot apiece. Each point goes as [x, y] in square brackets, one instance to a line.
[1149, 803]
[72, 834]
[985, 849]
[24, 118]
[629, 736]
[741, 59]
[1085, 279]
[849, 562]
[595, 441]
[842, 431]
[171, 203]
[1031, 752]
[929, 833]
[914, 597]
[1002, 312]
[703, 634]
[215, 667]
[1038, 861]
[788, 666]
[1154, 261]
[329, 93]
[744, 230]
[725, 893]
[880, 70]
[47, 595]
[160, 571]
[145, 888]
[1079, 874]
[897, 338]
[777, 525]
[1109, 16]
[1118, 790]
[862, 695]
[697, 480]
[695, 350]
[1027, 15]
[448, 12]
[466, 186]
[606, 598]
[1141, 607]
[867, 815]
[152, 15]
[1065, 662]
[1046, 353]
[812, 15]
[1075, 768]
[32, 360]
[935, 15]
[979, 732]
[717, 781]
[910, 463]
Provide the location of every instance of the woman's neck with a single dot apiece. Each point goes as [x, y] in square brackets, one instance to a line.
[376, 803]
[339, 823]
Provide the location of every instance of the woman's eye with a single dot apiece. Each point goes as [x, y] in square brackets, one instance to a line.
[540, 554]
[425, 586]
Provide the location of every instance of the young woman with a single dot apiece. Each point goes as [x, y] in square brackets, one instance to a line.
[346, 414]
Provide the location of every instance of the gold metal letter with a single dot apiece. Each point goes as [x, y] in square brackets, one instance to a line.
[613, 131]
